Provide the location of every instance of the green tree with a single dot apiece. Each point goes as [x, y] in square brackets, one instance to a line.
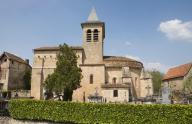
[27, 79]
[157, 77]
[66, 76]
[187, 84]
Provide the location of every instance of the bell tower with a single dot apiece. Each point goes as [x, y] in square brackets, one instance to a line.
[93, 36]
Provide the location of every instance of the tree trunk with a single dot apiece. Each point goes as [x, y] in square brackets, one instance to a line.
[67, 95]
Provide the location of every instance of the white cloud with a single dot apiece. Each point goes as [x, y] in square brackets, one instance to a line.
[150, 65]
[128, 43]
[155, 66]
[177, 30]
[133, 57]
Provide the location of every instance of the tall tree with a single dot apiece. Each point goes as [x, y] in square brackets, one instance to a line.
[157, 77]
[187, 84]
[66, 76]
[27, 79]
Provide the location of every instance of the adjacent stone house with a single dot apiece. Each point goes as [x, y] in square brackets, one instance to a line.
[107, 78]
[12, 70]
[175, 76]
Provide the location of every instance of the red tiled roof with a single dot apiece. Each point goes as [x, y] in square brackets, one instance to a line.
[178, 71]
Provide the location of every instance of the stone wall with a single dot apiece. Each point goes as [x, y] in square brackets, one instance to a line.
[146, 87]
[113, 72]
[175, 83]
[93, 50]
[87, 89]
[14, 74]
[123, 95]
[44, 63]
[21, 93]
[135, 75]
[5, 67]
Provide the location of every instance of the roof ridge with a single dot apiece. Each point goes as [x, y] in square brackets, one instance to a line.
[123, 57]
[13, 55]
[56, 47]
[178, 71]
[190, 63]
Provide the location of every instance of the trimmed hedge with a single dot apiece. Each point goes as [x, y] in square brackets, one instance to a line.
[59, 111]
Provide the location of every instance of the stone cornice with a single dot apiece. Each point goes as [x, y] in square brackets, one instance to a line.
[56, 48]
[115, 86]
[40, 67]
[92, 65]
[92, 23]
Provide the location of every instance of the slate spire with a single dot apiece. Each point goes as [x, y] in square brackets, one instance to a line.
[93, 16]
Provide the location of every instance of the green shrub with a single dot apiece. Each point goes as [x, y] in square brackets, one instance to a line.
[59, 111]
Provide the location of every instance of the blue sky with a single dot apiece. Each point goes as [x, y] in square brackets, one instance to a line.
[156, 32]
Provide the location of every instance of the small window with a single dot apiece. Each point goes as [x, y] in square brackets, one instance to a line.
[12, 62]
[95, 35]
[5, 60]
[88, 35]
[91, 79]
[38, 57]
[114, 80]
[45, 57]
[115, 93]
[51, 57]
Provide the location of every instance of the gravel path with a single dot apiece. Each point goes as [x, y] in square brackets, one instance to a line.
[8, 120]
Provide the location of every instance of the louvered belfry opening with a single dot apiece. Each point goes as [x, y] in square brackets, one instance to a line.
[95, 35]
[88, 35]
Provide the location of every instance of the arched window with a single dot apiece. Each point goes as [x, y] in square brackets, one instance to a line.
[95, 35]
[88, 35]
[114, 80]
[91, 79]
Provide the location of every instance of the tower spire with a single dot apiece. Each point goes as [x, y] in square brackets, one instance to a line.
[93, 15]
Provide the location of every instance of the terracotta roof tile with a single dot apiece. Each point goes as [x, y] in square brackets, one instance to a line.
[178, 71]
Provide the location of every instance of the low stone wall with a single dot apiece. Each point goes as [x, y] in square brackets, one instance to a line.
[21, 93]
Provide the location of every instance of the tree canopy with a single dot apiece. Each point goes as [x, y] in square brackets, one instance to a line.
[27, 79]
[187, 84]
[67, 75]
[157, 77]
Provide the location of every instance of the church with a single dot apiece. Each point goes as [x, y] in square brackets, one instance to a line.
[105, 78]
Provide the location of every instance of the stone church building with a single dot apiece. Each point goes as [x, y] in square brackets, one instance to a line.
[105, 78]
